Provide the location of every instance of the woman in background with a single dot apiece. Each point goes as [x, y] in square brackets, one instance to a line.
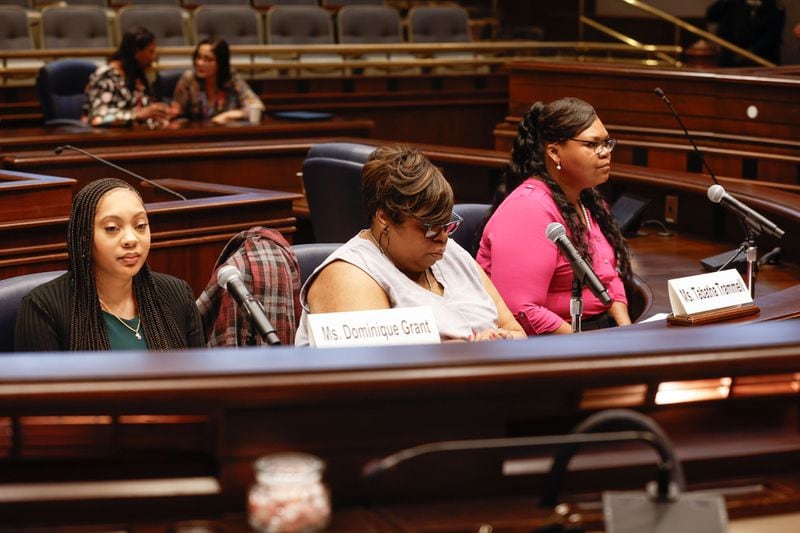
[211, 91]
[405, 259]
[109, 299]
[120, 94]
[562, 152]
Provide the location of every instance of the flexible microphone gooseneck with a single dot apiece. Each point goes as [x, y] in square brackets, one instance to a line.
[556, 234]
[663, 96]
[230, 279]
[754, 220]
[59, 149]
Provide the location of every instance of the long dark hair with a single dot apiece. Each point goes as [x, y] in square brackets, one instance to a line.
[87, 330]
[134, 40]
[557, 121]
[222, 54]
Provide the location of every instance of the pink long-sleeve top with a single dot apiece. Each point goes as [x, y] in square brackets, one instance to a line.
[532, 276]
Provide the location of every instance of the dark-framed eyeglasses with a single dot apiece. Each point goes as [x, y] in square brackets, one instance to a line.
[433, 230]
[598, 147]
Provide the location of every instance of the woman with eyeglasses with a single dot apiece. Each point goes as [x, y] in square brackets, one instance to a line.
[405, 259]
[562, 152]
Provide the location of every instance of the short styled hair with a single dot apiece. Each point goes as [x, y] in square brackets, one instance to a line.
[403, 182]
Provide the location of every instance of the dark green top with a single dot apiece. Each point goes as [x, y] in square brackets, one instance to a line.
[122, 338]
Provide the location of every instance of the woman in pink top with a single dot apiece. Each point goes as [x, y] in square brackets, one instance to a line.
[561, 154]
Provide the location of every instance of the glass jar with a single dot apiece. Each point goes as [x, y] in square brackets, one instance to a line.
[289, 496]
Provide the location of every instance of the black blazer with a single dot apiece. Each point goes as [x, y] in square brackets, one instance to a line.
[44, 314]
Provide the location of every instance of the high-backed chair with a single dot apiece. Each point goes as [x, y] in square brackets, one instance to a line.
[441, 24]
[16, 34]
[166, 82]
[343, 3]
[75, 27]
[640, 298]
[332, 179]
[237, 24]
[374, 24]
[61, 85]
[474, 216]
[12, 290]
[310, 256]
[170, 25]
[270, 3]
[304, 25]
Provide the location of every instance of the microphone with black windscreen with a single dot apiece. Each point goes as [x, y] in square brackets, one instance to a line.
[556, 234]
[230, 279]
[663, 97]
[59, 149]
[754, 220]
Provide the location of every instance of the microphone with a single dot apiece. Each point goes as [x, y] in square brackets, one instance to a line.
[59, 149]
[230, 279]
[558, 235]
[663, 96]
[754, 220]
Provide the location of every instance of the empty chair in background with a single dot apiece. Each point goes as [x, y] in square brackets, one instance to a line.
[15, 34]
[368, 24]
[310, 256]
[192, 3]
[169, 24]
[332, 181]
[76, 27]
[61, 86]
[120, 93]
[270, 3]
[468, 234]
[304, 25]
[442, 24]
[212, 91]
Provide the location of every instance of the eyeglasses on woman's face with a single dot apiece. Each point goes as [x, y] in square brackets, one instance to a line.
[598, 147]
[434, 230]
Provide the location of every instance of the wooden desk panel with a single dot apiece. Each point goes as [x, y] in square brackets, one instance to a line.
[187, 237]
[352, 405]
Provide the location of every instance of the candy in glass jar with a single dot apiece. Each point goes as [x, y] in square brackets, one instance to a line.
[289, 496]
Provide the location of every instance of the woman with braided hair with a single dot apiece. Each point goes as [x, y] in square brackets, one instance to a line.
[109, 299]
[562, 152]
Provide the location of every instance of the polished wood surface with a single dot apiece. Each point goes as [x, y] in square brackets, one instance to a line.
[207, 414]
[746, 123]
[187, 236]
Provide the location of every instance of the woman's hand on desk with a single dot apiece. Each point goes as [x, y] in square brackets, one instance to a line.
[228, 116]
[495, 334]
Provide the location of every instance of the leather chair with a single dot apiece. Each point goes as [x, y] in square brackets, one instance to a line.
[12, 290]
[75, 27]
[442, 24]
[301, 24]
[310, 256]
[170, 25]
[16, 34]
[166, 82]
[474, 216]
[61, 85]
[640, 298]
[332, 180]
[237, 24]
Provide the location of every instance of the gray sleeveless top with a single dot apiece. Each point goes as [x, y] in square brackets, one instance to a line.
[464, 308]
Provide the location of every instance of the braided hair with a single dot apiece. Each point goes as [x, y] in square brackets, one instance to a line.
[87, 329]
[133, 41]
[557, 121]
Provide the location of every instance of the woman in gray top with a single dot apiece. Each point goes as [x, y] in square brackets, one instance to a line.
[405, 258]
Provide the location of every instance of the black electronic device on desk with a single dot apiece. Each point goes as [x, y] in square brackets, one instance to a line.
[302, 115]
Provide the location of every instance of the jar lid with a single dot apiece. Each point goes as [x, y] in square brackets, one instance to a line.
[289, 467]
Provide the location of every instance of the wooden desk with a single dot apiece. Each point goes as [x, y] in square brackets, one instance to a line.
[187, 235]
[198, 419]
[715, 106]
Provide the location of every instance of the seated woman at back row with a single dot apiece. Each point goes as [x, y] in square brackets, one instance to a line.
[211, 91]
[109, 298]
[560, 155]
[405, 259]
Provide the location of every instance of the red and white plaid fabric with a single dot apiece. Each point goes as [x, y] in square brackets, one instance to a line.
[270, 270]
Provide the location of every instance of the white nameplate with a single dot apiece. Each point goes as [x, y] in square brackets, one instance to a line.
[401, 325]
[707, 292]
